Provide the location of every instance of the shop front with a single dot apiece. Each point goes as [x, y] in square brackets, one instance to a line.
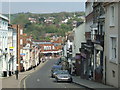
[98, 55]
[86, 61]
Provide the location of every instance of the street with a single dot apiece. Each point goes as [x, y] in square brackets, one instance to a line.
[42, 79]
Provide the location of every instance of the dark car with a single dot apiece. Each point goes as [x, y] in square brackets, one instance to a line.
[63, 76]
[54, 69]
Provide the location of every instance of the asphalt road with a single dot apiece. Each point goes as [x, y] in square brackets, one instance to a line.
[42, 79]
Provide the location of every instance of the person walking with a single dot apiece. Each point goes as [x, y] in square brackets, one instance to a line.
[16, 73]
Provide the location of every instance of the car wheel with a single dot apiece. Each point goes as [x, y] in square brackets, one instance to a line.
[51, 76]
[71, 81]
[56, 79]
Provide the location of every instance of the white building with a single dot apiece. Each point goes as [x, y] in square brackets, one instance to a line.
[111, 44]
[79, 37]
[12, 51]
[3, 45]
[27, 57]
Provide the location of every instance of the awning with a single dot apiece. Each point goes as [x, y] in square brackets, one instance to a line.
[94, 25]
[98, 47]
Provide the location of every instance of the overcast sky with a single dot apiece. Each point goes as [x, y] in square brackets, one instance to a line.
[42, 7]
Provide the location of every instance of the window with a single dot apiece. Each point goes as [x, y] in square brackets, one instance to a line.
[113, 73]
[53, 47]
[112, 15]
[21, 41]
[113, 48]
[21, 51]
[21, 32]
[45, 47]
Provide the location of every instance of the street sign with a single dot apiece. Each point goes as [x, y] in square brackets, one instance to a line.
[11, 47]
[22, 54]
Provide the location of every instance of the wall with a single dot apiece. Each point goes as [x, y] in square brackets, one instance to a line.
[79, 37]
[110, 66]
[119, 44]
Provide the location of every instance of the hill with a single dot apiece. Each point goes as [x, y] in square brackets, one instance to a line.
[40, 24]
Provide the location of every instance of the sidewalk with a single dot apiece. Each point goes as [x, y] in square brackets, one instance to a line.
[11, 82]
[90, 84]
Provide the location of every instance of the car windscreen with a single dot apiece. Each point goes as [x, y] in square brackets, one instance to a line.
[63, 72]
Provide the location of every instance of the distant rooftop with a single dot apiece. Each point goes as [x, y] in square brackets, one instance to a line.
[4, 17]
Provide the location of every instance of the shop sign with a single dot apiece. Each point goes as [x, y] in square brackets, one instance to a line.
[22, 54]
[11, 47]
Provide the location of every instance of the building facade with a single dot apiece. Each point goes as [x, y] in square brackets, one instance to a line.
[12, 52]
[111, 55]
[3, 45]
[86, 50]
[19, 30]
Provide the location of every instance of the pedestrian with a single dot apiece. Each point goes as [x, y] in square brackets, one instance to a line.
[16, 73]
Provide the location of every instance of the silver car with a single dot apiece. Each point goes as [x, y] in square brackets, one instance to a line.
[63, 75]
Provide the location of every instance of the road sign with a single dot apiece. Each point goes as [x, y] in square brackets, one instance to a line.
[11, 47]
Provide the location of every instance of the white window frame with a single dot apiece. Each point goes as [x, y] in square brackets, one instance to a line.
[45, 47]
[21, 41]
[114, 60]
[21, 50]
[21, 32]
[111, 13]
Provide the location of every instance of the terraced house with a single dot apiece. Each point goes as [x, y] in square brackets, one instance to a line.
[112, 48]
[3, 45]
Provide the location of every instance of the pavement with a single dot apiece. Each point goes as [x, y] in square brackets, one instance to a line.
[90, 84]
[11, 82]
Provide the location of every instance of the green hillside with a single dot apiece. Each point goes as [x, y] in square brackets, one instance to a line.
[39, 24]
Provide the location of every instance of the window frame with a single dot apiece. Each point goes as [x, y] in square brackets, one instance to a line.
[113, 60]
[112, 20]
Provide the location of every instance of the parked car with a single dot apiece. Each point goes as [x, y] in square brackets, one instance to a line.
[63, 76]
[54, 69]
[57, 62]
[55, 73]
[60, 60]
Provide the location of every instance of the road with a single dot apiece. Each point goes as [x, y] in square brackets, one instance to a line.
[42, 79]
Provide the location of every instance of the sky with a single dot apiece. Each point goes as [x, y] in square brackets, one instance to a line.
[41, 7]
